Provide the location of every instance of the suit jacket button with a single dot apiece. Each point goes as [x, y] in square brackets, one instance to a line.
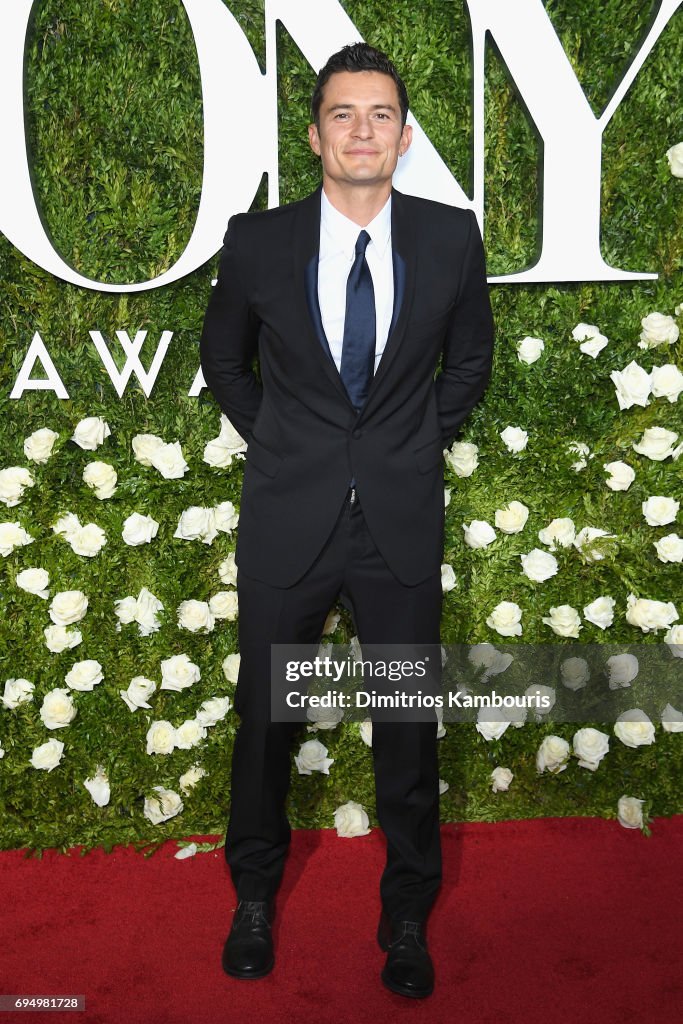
[356, 434]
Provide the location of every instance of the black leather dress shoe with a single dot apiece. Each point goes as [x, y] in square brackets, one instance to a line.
[408, 970]
[248, 950]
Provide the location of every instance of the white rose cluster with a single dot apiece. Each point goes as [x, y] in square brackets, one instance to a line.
[84, 540]
[220, 451]
[141, 609]
[167, 459]
[13, 482]
[204, 524]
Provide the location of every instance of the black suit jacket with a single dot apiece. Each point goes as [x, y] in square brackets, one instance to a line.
[305, 440]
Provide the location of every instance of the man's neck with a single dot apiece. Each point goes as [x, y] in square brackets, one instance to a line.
[361, 205]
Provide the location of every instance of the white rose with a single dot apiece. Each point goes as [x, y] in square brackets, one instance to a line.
[660, 511]
[446, 497]
[126, 609]
[670, 548]
[91, 432]
[323, 718]
[489, 658]
[98, 787]
[140, 689]
[213, 711]
[12, 536]
[564, 620]
[195, 616]
[506, 619]
[621, 475]
[529, 350]
[590, 746]
[231, 667]
[223, 605]
[67, 525]
[163, 807]
[514, 438]
[351, 820]
[365, 731]
[674, 640]
[633, 385]
[138, 529]
[593, 340]
[512, 518]
[488, 729]
[13, 482]
[675, 157]
[226, 517]
[178, 673]
[87, 540]
[227, 570]
[68, 606]
[84, 675]
[57, 709]
[672, 720]
[657, 330]
[312, 757]
[197, 523]
[189, 734]
[648, 615]
[600, 612]
[144, 445]
[17, 691]
[168, 460]
[559, 532]
[478, 534]
[448, 581]
[331, 622]
[657, 443]
[146, 608]
[219, 451]
[581, 449]
[667, 382]
[160, 738]
[634, 728]
[584, 542]
[623, 669]
[461, 457]
[501, 779]
[190, 778]
[34, 581]
[538, 565]
[38, 445]
[574, 673]
[443, 787]
[630, 812]
[552, 755]
[60, 638]
[48, 755]
[101, 477]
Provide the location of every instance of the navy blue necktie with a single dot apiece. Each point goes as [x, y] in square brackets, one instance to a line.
[358, 347]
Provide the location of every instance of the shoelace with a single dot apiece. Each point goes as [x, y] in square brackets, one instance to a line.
[413, 928]
[254, 909]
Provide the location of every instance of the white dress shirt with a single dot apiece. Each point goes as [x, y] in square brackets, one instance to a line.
[338, 237]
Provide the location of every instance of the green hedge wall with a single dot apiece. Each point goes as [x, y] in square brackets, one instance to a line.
[115, 128]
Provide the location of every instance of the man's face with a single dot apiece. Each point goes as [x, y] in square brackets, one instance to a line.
[360, 136]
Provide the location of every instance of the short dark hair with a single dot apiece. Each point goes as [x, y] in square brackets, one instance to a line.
[358, 57]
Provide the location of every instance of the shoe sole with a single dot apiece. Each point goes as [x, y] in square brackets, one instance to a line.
[410, 992]
[251, 975]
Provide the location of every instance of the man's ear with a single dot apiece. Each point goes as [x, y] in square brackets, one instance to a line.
[314, 139]
[406, 139]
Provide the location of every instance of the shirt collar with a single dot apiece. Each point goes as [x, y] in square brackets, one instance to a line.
[342, 233]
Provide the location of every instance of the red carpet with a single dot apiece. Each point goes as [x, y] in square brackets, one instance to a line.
[561, 919]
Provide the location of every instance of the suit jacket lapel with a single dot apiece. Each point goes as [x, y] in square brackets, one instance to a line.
[306, 243]
[404, 256]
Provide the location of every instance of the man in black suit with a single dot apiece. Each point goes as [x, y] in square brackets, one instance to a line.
[351, 298]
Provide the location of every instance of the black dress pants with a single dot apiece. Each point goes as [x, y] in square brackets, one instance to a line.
[404, 753]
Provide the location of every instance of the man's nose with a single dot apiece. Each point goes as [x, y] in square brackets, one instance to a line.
[363, 126]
